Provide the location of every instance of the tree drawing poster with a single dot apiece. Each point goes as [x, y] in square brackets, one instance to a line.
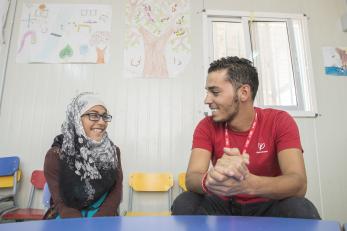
[335, 61]
[157, 39]
[64, 33]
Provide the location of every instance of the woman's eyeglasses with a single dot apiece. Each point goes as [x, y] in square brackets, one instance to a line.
[96, 117]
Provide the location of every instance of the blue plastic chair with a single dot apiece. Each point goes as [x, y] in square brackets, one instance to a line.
[9, 167]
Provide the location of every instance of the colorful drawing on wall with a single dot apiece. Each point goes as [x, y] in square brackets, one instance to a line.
[335, 61]
[64, 33]
[158, 38]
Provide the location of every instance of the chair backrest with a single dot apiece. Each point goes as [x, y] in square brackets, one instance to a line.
[38, 181]
[182, 181]
[8, 182]
[9, 165]
[150, 182]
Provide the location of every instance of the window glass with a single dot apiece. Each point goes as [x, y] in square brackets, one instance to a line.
[272, 57]
[279, 50]
[228, 39]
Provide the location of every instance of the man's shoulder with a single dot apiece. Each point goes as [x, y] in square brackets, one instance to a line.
[269, 110]
[271, 113]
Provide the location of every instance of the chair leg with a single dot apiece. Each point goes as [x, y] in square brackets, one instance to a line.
[170, 198]
[130, 200]
[14, 192]
[31, 195]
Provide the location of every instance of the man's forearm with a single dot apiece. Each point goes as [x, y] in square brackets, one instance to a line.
[193, 182]
[278, 187]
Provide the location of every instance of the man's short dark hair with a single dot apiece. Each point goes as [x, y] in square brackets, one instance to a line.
[239, 70]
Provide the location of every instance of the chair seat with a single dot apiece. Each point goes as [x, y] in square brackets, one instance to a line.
[159, 214]
[24, 214]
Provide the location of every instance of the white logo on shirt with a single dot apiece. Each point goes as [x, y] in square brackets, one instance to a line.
[261, 147]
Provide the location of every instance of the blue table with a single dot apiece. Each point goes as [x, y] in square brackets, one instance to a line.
[174, 223]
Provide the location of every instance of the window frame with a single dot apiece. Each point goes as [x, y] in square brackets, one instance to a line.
[306, 106]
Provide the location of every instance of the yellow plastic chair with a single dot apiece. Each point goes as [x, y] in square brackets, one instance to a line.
[8, 182]
[149, 182]
[182, 182]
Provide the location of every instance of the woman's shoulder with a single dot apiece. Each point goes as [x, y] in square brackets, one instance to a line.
[51, 159]
[53, 153]
[117, 149]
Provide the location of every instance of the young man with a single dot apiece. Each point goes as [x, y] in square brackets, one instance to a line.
[257, 159]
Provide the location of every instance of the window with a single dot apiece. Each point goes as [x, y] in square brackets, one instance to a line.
[277, 44]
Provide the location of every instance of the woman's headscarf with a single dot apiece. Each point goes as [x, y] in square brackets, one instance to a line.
[87, 167]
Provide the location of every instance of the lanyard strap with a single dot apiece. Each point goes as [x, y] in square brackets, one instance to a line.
[249, 137]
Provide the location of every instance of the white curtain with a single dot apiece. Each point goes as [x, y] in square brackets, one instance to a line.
[228, 39]
[272, 58]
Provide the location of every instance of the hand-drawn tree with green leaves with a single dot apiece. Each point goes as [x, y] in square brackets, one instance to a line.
[158, 23]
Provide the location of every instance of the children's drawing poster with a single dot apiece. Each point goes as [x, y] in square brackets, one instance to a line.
[335, 61]
[64, 33]
[158, 38]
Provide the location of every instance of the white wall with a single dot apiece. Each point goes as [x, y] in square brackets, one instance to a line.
[154, 119]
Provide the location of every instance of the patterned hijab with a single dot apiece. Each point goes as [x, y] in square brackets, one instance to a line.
[87, 167]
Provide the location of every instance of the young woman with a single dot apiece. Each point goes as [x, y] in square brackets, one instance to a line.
[83, 167]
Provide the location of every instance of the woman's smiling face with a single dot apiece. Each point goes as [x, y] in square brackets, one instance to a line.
[95, 130]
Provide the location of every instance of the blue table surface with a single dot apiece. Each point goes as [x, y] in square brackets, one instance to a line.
[174, 223]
